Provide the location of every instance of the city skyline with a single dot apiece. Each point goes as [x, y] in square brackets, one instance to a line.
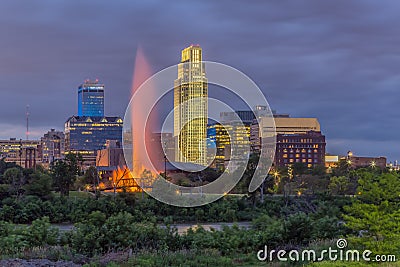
[347, 80]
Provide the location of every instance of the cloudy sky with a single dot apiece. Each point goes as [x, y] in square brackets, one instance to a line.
[335, 60]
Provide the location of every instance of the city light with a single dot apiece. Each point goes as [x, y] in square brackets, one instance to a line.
[139, 147]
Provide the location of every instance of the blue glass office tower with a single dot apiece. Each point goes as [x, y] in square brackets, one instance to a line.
[91, 99]
[90, 129]
[91, 133]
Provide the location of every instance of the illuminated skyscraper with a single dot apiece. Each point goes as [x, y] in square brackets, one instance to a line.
[53, 146]
[86, 135]
[90, 130]
[191, 108]
[91, 99]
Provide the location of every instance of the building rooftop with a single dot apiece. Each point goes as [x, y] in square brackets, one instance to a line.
[94, 119]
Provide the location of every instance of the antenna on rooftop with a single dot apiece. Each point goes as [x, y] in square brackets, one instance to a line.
[27, 122]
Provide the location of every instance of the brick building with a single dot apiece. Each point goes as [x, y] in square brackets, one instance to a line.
[307, 148]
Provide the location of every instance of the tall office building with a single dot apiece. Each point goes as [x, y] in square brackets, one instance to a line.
[246, 116]
[283, 125]
[91, 99]
[306, 148]
[90, 130]
[86, 135]
[219, 135]
[191, 108]
[52, 146]
[238, 123]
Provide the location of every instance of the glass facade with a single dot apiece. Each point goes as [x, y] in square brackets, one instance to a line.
[83, 133]
[246, 116]
[219, 135]
[91, 99]
[191, 108]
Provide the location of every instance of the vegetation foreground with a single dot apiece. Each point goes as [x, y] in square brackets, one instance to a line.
[124, 230]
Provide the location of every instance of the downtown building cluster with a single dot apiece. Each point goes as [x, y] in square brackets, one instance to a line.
[98, 138]
[85, 133]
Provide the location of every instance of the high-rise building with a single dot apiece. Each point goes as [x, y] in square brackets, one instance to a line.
[283, 125]
[86, 135]
[91, 99]
[238, 124]
[90, 130]
[191, 108]
[52, 146]
[306, 148]
[219, 135]
[246, 116]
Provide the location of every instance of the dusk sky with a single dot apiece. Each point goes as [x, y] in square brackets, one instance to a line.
[338, 61]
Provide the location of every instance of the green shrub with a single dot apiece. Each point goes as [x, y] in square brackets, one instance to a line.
[41, 233]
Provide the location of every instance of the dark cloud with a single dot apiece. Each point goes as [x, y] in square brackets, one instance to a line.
[337, 60]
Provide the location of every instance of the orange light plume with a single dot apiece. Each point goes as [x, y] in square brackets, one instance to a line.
[142, 72]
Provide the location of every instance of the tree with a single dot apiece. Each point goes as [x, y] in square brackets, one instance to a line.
[6, 165]
[375, 213]
[297, 228]
[90, 176]
[39, 184]
[318, 170]
[299, 168]
[65, 173]
[16, 179]
[88, 180]
[342, 168]
[338, 185]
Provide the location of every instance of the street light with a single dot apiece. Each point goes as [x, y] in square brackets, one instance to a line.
[373, 164]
